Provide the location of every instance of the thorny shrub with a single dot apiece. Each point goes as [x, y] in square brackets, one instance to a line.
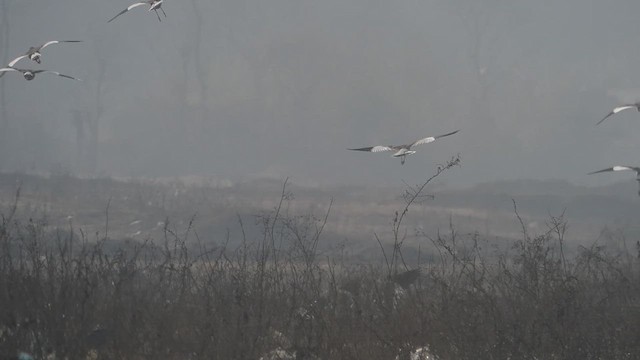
[64, 296]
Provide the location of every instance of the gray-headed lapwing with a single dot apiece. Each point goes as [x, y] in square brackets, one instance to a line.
[34, 53]
[620, 108]
[30, 74]
[153, 5]
[402, 151]
[622, 168]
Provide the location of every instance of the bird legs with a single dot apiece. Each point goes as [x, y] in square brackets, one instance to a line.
[402, 159]
[165, 14]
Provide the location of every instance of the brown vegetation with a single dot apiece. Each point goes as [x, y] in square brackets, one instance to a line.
[67, 295]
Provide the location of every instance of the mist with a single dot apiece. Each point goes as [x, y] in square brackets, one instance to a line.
[250, 89]
[194, 196]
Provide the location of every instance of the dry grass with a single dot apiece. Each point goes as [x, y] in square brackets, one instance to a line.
[67, 295]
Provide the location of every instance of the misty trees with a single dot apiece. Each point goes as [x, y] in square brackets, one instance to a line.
[90, 110]
[26, 115]
[193, 106]
[200, 69]
[98, 109]
[4, 50]
[488, 26]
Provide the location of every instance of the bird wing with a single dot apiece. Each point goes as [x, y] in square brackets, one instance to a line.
[3, 70]
[156, 5]
[57, 73]
[617, 168]
[617, 110]
[127, 9]
[374, 149]
[14, 61]
[432, 138]
[57, 42]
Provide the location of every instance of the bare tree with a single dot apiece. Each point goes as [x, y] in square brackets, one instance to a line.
[478, 20]
[485, 25]
[197, 52]
[4, 45]
[92, 110]
[411, 195]
[98, 110]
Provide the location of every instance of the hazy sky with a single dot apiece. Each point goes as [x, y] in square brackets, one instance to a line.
[283, 88]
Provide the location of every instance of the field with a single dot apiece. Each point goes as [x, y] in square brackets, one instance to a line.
[108, 269]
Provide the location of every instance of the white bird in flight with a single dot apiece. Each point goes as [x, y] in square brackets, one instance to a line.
[30, 74]
[622, 168]
[153, 5]
[34, 53]
[621, 108]
[402, 151]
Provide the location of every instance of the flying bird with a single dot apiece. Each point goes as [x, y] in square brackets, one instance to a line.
[402, 151]
[30, 74]
[621, 108]
[622, 168]
[34, 53]
[153, 5]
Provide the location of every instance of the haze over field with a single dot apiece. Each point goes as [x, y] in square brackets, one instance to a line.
[195, 195]
[247, 89]
[217, 215]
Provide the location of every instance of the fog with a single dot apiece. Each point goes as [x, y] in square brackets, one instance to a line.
[246, 89]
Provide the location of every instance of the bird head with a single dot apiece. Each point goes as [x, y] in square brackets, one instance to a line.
[29, 75]
[35, 57]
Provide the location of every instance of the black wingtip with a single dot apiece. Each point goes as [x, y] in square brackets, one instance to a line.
[448, 134]
[605, 118]
[113, 18]
[600, 171]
